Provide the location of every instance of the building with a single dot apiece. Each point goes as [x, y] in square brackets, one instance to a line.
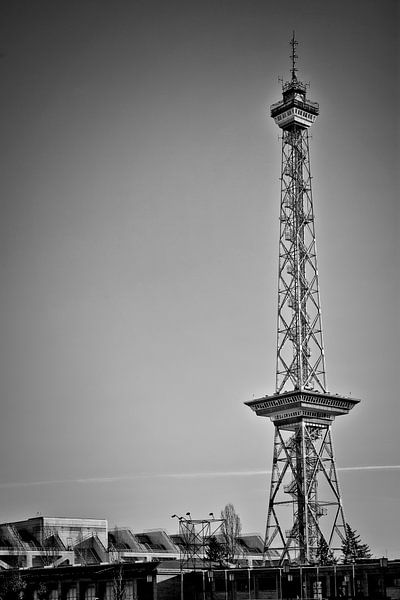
[164, 580]
[51, 542]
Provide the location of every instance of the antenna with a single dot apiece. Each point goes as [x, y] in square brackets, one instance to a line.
[294, 43]
[305, 504]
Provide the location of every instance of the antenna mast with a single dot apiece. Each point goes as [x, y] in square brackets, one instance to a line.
[305, 509]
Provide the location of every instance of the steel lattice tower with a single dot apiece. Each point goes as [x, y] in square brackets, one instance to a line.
[305, 516]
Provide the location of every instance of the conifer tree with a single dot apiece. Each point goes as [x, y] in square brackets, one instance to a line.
[324, 555]
[353, 548]
[215, 550]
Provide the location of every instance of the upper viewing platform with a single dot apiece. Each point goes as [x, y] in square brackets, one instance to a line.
[309, 405]
[294, 108]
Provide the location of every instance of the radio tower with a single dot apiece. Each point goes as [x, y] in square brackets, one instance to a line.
[305, 519]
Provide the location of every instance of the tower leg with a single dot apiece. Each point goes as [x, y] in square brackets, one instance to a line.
[305, 518]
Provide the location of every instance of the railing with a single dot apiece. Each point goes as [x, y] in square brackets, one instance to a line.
[37, 550]
[297, 103]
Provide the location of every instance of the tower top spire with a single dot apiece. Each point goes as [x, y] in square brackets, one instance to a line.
[294, 43]
[294, 108]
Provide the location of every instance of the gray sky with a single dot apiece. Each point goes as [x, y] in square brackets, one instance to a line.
[139, 244]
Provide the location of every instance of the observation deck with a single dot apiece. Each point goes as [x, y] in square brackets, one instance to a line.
[294, 108]
[291, 407]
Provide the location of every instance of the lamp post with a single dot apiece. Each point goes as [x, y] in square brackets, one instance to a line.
[286, 570]
[211, 583]
[335, 579]
[384, 563]
[301, 583]
[318, 584]
[231, 578]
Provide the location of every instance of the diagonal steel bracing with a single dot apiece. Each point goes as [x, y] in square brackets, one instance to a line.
[305, 508]
[304, 505]
[300, 350]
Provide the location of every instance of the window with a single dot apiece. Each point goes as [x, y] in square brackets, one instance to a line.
[90, 593]
[109, 591]
[129, 590]
[71, 594]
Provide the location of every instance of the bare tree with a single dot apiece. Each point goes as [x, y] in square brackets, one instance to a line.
[231, 529]
[79, 549]
[119, 583]
[12, 586]
[49, 545]
[42, 591]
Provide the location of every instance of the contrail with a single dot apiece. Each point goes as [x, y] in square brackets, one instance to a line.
[371, 468]
[117, 478]
[199, 475]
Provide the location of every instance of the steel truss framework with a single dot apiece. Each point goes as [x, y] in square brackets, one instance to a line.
[195, 535]
[304, 489]
[300, 350]
[305, 513]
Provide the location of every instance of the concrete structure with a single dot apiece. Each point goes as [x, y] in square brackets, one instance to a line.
[52, 542]
[371, 580]
[43, 541]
